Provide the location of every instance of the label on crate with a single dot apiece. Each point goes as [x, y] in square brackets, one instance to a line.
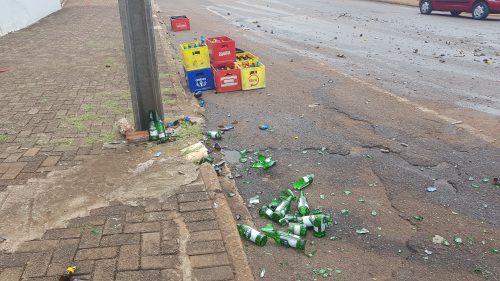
[181, 25]
[201, 82]
[253, 79]
[228, 81]
[225, 53]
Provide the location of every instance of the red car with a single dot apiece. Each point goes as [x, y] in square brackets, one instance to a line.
[480, 9]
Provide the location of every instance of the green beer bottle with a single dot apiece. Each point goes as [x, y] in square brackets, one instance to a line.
[285, 239]
[160, 127]
[265, 212]
[284, 206]
[252, 234]
[274, 203]
[153, 131]
[303, 182]
[287, 219]
[297, 229]
[303, 206]
[215, 135]
[318, 223]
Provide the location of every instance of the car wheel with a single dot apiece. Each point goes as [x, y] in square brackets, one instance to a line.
[455, 14]
[425, 7]
[480, 11]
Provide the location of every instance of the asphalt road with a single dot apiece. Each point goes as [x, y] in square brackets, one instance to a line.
[331, 116]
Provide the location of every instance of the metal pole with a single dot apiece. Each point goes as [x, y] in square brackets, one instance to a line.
[140, 51]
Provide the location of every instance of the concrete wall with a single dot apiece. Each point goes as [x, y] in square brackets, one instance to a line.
[17, 14]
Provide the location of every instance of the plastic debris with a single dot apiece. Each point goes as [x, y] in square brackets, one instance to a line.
[347, 192]
[226, 128]
[303, 182]
[471, 178]
[344, 212]
[431, 189]
[218, 166]
[201, 102]
[314, 105]
[333, 238]
[263, 273]
[428, 252]
[474, 185]
[254, 200]
[361, 200]
[437, 239]
[68, 273]
[264, 127]
[485, 180]
[362, 231]
[195, 152]
[263, 162]
[457, 240]
[157, 154]
[374, 213]
[322, 196]
[217, 146]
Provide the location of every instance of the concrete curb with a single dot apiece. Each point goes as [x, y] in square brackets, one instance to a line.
[227, 223]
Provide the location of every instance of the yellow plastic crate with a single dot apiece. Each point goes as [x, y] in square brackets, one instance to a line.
[253, 74]
[195, 56]
[246, 56]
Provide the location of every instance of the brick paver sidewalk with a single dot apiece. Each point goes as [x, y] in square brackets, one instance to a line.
[65, 88]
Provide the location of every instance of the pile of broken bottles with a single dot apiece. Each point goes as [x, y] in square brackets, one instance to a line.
[279, 211]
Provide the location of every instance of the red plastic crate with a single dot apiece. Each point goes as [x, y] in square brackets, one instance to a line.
[179, 23]
[221, 49]
[227, 77]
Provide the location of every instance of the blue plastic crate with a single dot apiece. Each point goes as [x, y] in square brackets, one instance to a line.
[200, 79]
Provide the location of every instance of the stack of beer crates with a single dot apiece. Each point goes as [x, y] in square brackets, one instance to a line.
[227, 75]
[196, 62]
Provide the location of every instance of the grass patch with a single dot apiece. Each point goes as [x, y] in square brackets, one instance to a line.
[79, 122]
[91, 139]
[61, 141]
[114, 107]
[88, 107]
[117, 93]
[4, 138]
[110, 136]
[188, 130]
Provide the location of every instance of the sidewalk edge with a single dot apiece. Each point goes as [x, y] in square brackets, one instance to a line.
[225, 219]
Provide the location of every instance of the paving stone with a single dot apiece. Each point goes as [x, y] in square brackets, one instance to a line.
[120, 239]
[207, 235]
[11, 274]
[91, 237]
[129, 257]
[150, 244]
[169, 247]
[31, 152]
[194, 187]
[202, 225]
[111, 210]
[198, 215]
[37, 246]
[134, 216]
[192, 197]
[170, 204]
[205, 247]
[142, 227]
[141, 275]
[65, 251]
[195, 206]
[37, 265]
[214, 273]
[50, 161]
[170, 230]
[159, 262]
[87, 221]
[209, 260]
[13, 157]
[104, 270]
[83, 267]
[13, 260]
[96, 253]
[159, 216]
[171, 275]
[62, 233]
[114, 224]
